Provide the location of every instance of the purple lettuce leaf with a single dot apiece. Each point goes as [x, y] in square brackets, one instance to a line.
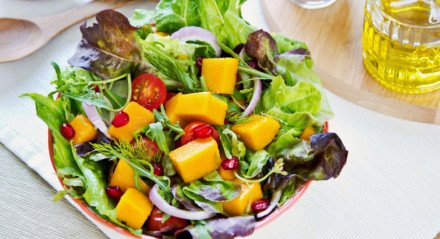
[108, 48]
[223, 228]
[261, 46]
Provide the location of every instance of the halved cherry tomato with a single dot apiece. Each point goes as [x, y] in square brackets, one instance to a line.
[149, 145]
[149, 91]
[155, 223]
[197, 130]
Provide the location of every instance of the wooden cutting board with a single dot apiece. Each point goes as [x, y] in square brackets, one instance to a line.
[333, 35]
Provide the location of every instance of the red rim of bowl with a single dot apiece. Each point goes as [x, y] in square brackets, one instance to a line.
[299, 193]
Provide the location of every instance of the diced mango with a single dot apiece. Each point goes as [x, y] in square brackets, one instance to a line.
[309, 131]
[258, 131]
[84, 129]
[123, 177]
[220, 74]
[202, 106]
[239, 205]
[196, 159]
[134, 208]
[226, 174]
[139, 117]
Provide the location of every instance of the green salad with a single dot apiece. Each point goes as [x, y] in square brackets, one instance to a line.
[188, 122]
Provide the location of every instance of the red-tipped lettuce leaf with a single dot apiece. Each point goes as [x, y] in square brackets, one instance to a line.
[261, 46]
[109, 47]
[223, 228]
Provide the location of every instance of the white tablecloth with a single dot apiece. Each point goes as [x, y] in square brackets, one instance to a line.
[390, 187]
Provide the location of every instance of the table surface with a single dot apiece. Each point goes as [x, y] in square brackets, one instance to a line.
[390, 187]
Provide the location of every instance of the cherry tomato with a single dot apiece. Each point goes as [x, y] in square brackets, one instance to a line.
[149, 91]
[149, 145]
[155, 223]
[197, 130]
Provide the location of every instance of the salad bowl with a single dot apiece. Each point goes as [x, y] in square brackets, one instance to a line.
[219, 132]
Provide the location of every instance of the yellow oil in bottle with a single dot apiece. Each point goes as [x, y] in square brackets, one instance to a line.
[401, 44]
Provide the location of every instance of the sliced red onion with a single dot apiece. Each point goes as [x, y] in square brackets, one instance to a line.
[95, 118]
[198, 34]
[256, 96]
[273, 203]
[163, 205]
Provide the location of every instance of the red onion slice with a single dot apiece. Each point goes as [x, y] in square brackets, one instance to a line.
[95, 118]
[198, 34]
[256, 96]
[273, 203]
[163, 205]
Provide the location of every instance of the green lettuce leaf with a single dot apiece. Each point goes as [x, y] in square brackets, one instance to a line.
[303, 97]
[256, 161]
[53, 113]
[229, 27]
[171, 15]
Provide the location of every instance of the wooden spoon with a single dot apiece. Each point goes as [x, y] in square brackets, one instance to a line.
[21, 37]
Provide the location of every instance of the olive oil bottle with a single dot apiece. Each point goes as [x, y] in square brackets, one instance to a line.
[401, 44]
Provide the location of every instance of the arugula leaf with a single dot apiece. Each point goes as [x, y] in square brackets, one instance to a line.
[171, 15]
[109, 47]
[173, 60]
[155, 132]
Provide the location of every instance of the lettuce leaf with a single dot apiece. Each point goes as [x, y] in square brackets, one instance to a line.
[171, 15]
[229, 27]
[109, 47]
[53, 113]
[225, 228]
[256, 161]
[209, 192]
[303, 97]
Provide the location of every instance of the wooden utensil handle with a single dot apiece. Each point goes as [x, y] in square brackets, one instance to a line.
[54, 24]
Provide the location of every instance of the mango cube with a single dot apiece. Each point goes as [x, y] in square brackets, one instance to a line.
[134, 208]
[123, 177]
[202, 106]
[196, 159]
[257, 132]
[84, 130]
[227, 175]
[139, 117]
[220, 74]
[239, 205]
[309, 131]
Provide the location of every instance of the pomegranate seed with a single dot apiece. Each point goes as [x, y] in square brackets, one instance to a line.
[199, 63]
[203, 131]
[67, 131]
[120, 119]
[158, 171]
[260, 205]
[114, 192]
[230, 164]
